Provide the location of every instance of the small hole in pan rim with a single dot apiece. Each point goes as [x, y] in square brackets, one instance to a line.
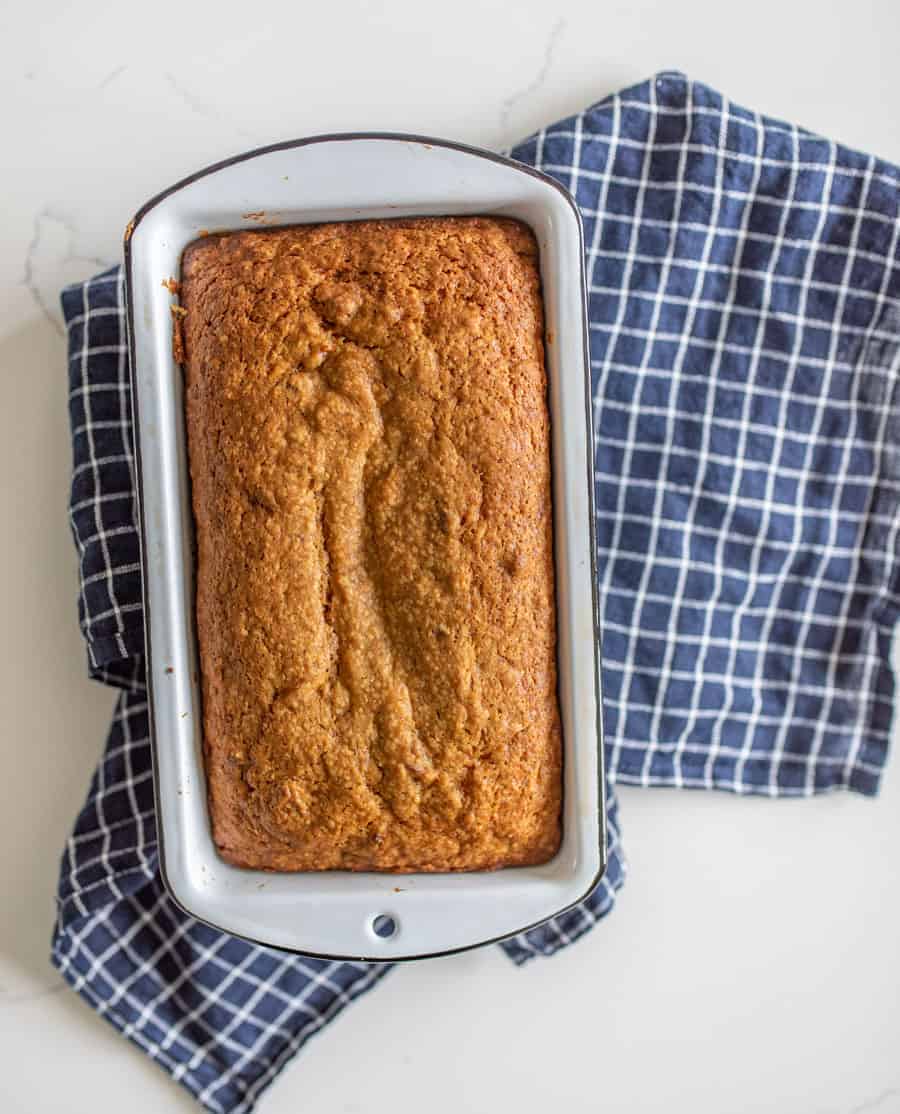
[384, 925]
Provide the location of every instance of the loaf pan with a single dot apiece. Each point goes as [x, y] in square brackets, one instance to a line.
[370, 916]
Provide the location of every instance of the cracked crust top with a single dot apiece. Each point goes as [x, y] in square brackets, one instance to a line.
[369, 452]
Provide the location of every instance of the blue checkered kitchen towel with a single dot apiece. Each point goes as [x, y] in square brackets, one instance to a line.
[745, 343]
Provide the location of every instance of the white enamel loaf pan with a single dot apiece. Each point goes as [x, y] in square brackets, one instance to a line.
[333, 914]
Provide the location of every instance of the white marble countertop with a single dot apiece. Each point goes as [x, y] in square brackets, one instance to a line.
[752, 963]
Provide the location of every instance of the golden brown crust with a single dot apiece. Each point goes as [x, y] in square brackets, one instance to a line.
[369, 453]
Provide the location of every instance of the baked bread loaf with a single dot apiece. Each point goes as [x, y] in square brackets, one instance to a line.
[368, 437]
